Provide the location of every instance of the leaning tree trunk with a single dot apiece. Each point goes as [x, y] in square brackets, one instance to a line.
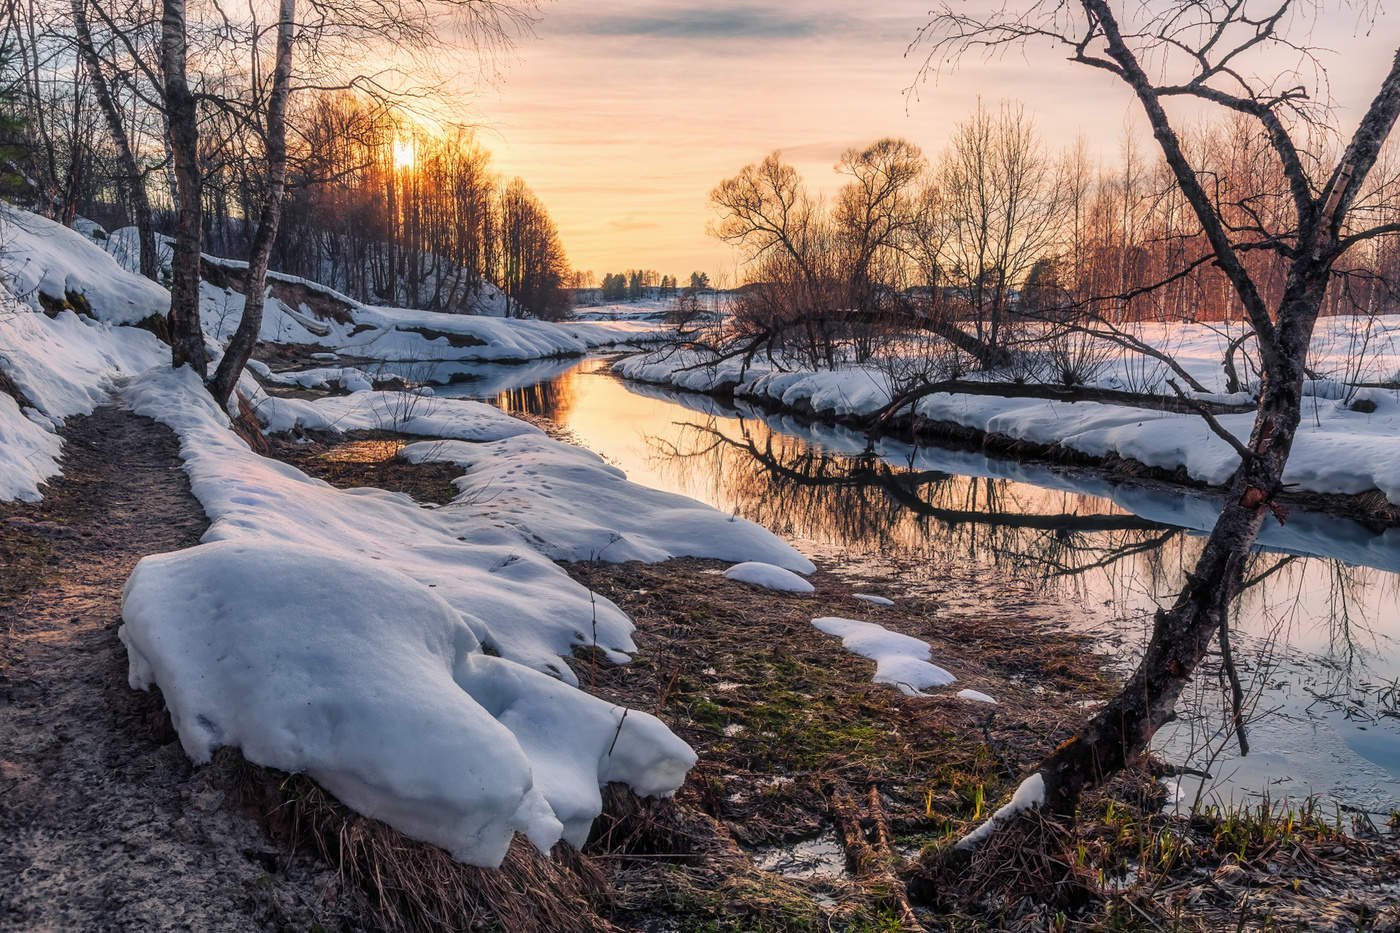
[1181, 635]
[131, 181]
[181, 116]
[240, 346]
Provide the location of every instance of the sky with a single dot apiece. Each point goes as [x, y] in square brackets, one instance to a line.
[622, 116]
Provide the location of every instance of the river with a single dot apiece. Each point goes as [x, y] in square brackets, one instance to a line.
[1316, 633]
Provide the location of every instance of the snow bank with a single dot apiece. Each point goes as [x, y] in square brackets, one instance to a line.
[1030, 794]
[60, 367]
[572, 506]
[346, 634]
[42, 256]
[899, 659]
[325, 377]
[66, 365]
[768, 576]
[29, 453]
[1337, 450]
[418, 413]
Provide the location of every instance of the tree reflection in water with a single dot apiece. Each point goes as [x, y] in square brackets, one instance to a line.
[1308, 621]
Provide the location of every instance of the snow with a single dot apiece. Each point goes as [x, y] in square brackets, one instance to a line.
[66, 365]
[29, 453]
[346, 634]
[1029, 795]
[60, 367]
[572, 506]
[768, 576]
[418, 413]
[1338, 450]
[324, 377]
[366, 680]
[44, 256]
[873, 600]
[900, 660]
[975, 696]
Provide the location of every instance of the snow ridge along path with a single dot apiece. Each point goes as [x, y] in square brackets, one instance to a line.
[104, 823]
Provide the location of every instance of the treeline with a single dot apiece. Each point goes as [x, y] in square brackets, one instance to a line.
[641, 283]
[368, 204]
[998, 231]
[420, 220]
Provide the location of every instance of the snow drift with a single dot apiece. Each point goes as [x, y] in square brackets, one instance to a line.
[346, 634]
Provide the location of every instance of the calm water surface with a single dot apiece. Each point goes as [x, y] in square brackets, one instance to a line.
[1318, 629]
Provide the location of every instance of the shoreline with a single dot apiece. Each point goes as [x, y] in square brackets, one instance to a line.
[1370, 509]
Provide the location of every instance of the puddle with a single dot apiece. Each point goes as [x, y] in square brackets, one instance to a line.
[818, 858]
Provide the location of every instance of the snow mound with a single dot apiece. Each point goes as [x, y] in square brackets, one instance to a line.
[374, 686]
[44, 257]
[324, 377]
[419, 413]
[900, 660]
[572, 506]
[975, 696]
[768, 577]
[345, 632]
[873, 600]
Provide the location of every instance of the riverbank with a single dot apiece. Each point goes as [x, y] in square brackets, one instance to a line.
[805, 765]
[1346, 464]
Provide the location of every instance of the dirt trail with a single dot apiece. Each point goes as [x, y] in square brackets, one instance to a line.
[104, 824]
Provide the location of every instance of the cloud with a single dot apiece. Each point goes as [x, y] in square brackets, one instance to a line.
[704, 22]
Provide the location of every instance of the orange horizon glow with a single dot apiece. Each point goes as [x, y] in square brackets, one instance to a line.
[622, 116]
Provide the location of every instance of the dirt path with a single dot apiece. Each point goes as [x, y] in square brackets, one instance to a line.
[103, 822]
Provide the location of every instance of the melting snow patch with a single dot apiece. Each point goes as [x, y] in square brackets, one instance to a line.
[344, 634]
[976, 696]
[874, 600]
[374, 686]
[1029, 795]
[899, 659]
[572, 506]
[768, 577]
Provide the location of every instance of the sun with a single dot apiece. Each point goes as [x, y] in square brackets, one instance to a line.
[405, 152]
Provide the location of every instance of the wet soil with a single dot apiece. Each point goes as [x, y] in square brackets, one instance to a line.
[104, 823]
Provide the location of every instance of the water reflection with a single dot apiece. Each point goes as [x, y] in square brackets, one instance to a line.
[1315, 628]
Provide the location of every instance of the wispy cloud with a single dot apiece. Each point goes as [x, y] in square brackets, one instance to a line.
[698, 23]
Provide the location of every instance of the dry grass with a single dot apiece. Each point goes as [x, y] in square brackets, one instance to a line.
[412, 886]
[367, 458]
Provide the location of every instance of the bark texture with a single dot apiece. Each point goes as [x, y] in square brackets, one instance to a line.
[182, 133]
[240, 346]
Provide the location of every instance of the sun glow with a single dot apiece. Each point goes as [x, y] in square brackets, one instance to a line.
[405, 151]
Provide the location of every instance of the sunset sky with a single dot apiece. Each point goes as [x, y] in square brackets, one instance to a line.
[622, 116]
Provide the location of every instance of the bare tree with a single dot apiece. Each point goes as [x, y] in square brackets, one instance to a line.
[1207, 46]
[1003, 201]
[240, 346]
[182, 134]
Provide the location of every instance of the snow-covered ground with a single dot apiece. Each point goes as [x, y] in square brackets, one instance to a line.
[1339, 448]
[54, 368]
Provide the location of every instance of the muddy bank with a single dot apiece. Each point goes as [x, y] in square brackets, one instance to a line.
[1369, 509]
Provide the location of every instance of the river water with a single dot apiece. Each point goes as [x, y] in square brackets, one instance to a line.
[1317, 632]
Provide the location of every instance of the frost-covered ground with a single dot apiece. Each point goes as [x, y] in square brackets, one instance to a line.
[413, 660]
[1339, 449]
